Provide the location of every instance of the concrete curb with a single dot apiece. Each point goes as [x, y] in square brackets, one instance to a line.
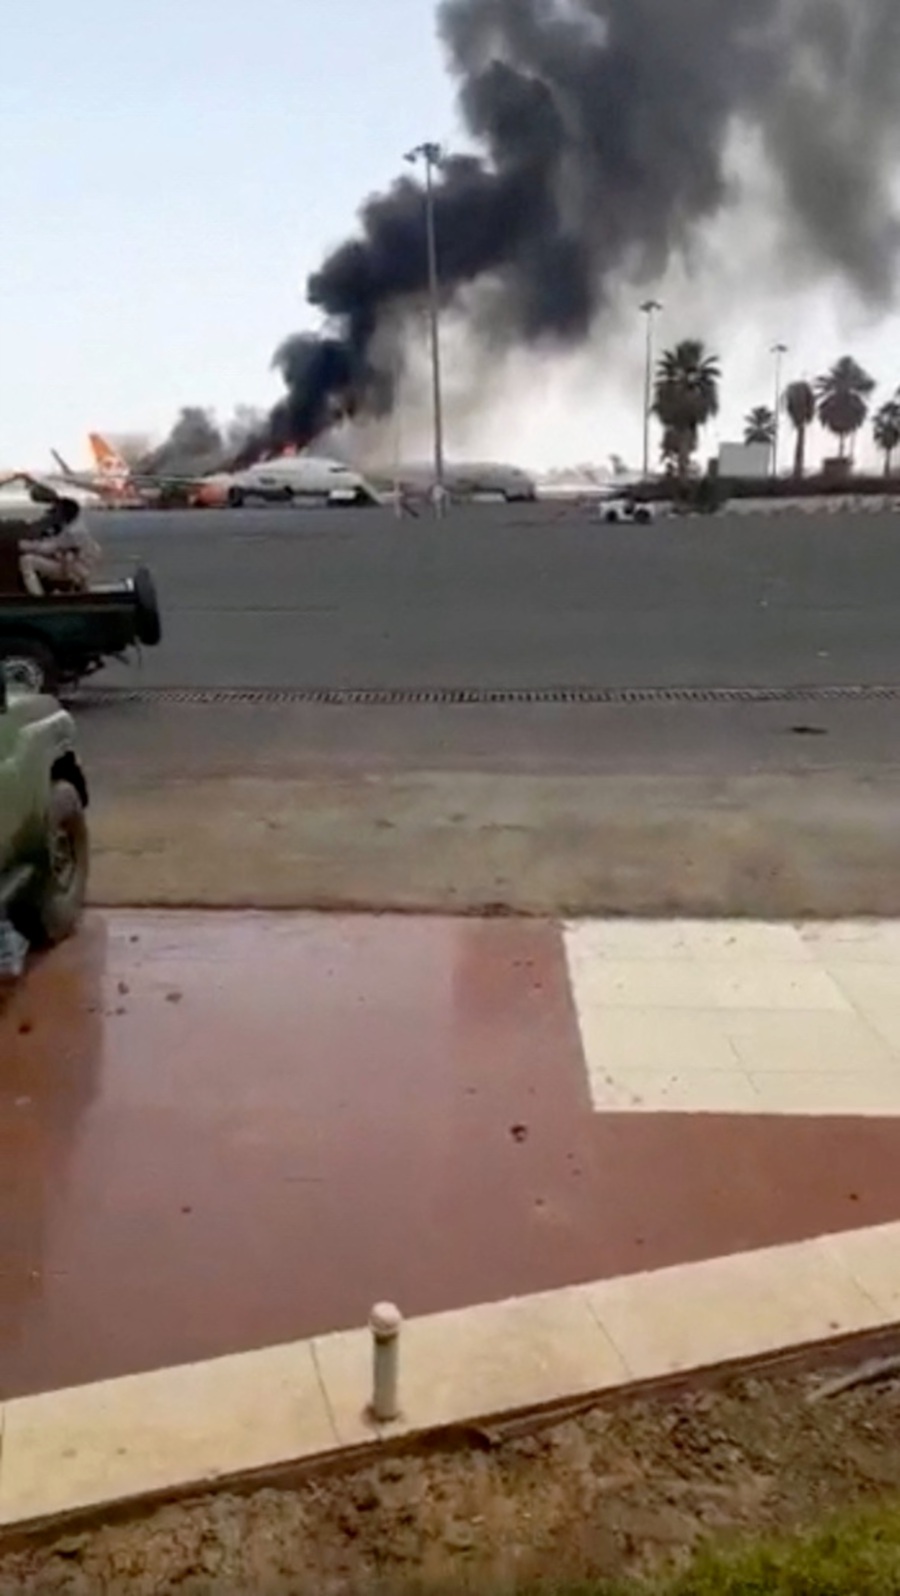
[67, 1454]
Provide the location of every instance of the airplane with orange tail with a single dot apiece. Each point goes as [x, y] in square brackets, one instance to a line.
[112, 477]
[120, 485]
[288, 477]
[112, 467]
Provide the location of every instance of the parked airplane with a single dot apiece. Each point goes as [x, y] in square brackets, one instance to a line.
[288, 478]
[291, 476]
[121, 485]
[588, 482]
[463, 480]
[112, 477]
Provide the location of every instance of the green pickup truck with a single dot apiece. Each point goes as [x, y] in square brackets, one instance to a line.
[51, 643]
[43, 830]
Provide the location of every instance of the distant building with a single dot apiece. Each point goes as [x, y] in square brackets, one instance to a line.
[745, 460]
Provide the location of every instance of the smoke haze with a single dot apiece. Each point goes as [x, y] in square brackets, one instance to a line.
[602, 128]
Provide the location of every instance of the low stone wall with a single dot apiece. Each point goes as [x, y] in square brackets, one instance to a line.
[833, 504]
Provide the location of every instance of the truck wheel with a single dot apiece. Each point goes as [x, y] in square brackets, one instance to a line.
[235, 499]
[611, 518]
[148, 625]
[642, 517]
[29, 665]
[52, 908]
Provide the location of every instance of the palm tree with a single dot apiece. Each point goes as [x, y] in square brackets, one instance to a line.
[843, 394]
[800, 404]
[887, 431]
[760, 426]
[669, 450]
[687, 396]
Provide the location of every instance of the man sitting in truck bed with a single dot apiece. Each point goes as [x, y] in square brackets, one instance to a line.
[63, 556]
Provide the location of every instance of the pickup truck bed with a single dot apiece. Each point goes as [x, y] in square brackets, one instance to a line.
[60, 638]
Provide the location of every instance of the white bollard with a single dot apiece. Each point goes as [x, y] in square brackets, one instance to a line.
[385, 1322]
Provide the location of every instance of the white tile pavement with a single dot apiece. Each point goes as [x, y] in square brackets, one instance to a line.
[678, 1017]
[738, 1017]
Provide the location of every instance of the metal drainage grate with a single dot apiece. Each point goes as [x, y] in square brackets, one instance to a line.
[400, 697]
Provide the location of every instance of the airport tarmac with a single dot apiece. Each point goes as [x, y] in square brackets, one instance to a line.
[514, 597]
[780, 806]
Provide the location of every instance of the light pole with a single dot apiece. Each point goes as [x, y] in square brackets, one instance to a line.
[649, 309]
[431, 155]
[779, 351]
[398, 439]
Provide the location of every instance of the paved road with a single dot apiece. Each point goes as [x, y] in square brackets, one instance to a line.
[510, 597]
[127, 745]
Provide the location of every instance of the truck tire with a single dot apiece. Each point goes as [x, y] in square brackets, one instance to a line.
[148, 625]
[29, 665]
[235, 499]
[52, 907]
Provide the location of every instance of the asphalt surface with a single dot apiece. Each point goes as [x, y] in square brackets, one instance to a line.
[513, 597]
[171, 743]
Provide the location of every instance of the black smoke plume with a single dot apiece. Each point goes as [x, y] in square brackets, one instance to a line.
[322, 384]
[602, 127]
[197, 444]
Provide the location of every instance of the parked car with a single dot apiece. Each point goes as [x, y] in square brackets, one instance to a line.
[44, 849]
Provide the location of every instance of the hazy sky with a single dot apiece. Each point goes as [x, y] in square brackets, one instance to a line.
[171, 174]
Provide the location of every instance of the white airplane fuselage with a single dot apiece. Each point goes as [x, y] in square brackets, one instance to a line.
[297, 477]
[465, 480]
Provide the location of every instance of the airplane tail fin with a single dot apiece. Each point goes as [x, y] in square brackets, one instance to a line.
[108, 460]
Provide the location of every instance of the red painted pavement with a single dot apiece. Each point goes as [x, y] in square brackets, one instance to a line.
[222, 1131]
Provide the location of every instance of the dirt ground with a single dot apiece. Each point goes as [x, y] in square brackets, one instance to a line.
[772, 847]
[685, 809]
[628, 1489]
